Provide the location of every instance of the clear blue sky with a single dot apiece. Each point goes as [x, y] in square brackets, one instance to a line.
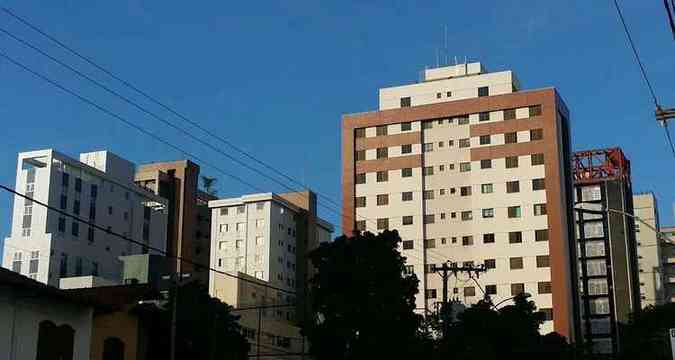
[275, 78]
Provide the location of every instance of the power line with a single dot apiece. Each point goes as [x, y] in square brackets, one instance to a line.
[635, 52]
[125, 238]
[668, 138]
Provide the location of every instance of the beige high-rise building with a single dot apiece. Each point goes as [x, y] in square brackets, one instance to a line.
[472, 170]
[668, 262]
[648, 249]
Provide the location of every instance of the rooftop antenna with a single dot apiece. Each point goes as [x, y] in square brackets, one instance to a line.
[445, 42]
[437, 59]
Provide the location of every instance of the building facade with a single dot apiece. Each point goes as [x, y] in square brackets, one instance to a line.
[608, 265]
[667, 251]
[189, 218]
[470, 170]
[647, 239]
[46, 245]
[264, 238]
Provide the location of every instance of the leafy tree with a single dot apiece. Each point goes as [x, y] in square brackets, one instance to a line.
[646, 336]
[363, 304]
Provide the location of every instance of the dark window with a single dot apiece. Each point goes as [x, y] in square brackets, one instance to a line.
[408, 244]
[464, 166]
[548, 313]
[382, 199]
[536, 134]
[430, 293]
[489, 213]
[537, 159]
[488, 238]
[511, 138]
[483, 91]
[94, 190]
[490, 263]
[64, 202]
[427, 124]
[430, 243]
[62, 225]
[360, 155]
[360, 178]
[361, 225]
[516, 263]
[543, 261]
[491, 289]
[467, 240]
[90, 234]
[146, 213]
[517, 288]
[55, 342]
[467, 215]
[465, 191]
[360, 201]
[511, 162]
[513, 186]
[541, 235]
[484, 116]
[438, 95]
[486, 164]
[406, 149]
[381, 130]
[539, 209]
[428, 194]
[406, 126]
[535, 110]
[428, 170]
[407, 220]
[405, 101]
[113, 349]
[406, 172]
[382, 224]
[464, 143]
[360, 133]
[407, 196]
[92, 211]
[538, 184]
[110, 210]
[484, 139]
[544, 287]
[429, 219]
[514, 212]
[382, 176]
[469, 291]
[76, 207]
[146, 232]
[75, 229]
[509, 114]
[78, 184]
[515, 237]
[463, 120]
[65, 179]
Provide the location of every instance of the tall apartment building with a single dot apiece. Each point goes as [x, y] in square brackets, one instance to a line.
[99, 188]
[472, 170]
[667, 251]
[648, 242]
[266, 238]
[189, 217]
[608, 267]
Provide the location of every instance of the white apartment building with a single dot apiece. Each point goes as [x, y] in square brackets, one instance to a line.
[469, 170]
[651, 273]
[47, 246]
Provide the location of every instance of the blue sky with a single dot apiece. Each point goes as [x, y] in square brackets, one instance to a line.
[275, 77]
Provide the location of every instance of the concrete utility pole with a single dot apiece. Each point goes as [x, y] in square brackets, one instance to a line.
[176, 280]
[444, 271]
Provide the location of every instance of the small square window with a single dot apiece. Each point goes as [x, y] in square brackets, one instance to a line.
[382, 176]
[543, 261]
[484, 139]
[509, 114]
[441, 144]
[488, 213]
[538, 184]
[360, 155]
[511, 162]
[517, 288]
[407, 220]
[484, 116]
[544, 287]
[406, 149]
[429, 219]
[407, 196]
[360, 133]
[467, 215]
[486, 164]
[539, 209]
[486, 188]
[491, 289]
[428, 147]
[516, 263]
[537, 159]
[438, 95]
[512, 186]
[534, 110]
[405, 101]
[428, 170]
[515, 237]
[541, 235]
[467, 240]
[514, 212]
[382, 199]
[483, 91]
[536, 134]
[382, 224]
[488, 238]
[382, 153]
[465, 191]
[448, 94]
[408, 244]
[428, 194]
[406, 172]
[360, 178]
[381, 130]
[464, 143]
[427, 124]
[463, 120]
[511, 138]
[406, 126]
[360, 201]
[464, 167]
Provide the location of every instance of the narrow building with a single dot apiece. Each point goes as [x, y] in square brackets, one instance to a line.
[472, 170]
[652, 290]
[667, 250]
[608, 266]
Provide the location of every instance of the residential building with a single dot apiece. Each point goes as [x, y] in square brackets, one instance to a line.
[46, 245]
[667, 250]
[648, 249]
[469, 169]
[264, 239]
[608, 266]
[189, 218]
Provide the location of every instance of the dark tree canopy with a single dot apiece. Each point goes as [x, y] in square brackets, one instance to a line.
[362, 302]
[646, 335]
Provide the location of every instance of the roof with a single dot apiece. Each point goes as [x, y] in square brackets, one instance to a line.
[15, 280]
[115, 295]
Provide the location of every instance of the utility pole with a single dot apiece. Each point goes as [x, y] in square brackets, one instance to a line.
[663, 115]
[444, 271]
[176, 282]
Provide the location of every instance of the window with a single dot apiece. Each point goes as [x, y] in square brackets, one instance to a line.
[360, 225]
[488, 213]
[511, 162]
[359, 155]
[408, 269]
[63, 266]
[382, 224]
[543, 261]
[463, 120]
[94, 190]
[599, 306]
[383, 176]
[469, 291]
[64, 202]
[448, 94]
[428, 170]
[65, 179]
[516, 263]
[223, 211]
[451, 143]
[441, 191]
[512, 186]
[76, 207]
[75, 229]
[483, 91]
[429, 219]
[464, 167]
[488, 238]
[360, 201]
[597, 287]
[440, 143]
[541, 235]
[465, 191]
[405, 101]
[239, 244]
[486, 188]
[110, 210]
[241, 209]
[596, 267]
[62, 225]
[484, 139]
[406, 149]
[509, 114]
[406, 126]
[381, 130]
[438, 95]
[428, 194]
[514, 212]
[510, 138]
[427, 147]
[427, 124]
[240, 227]
[537, 159]
[544, 287]
[486, 164]
[360, 178]
[538, 184]
[484, 116]
[534, 110]
[464, 143]
[382, 153]
[467, 240]
[430, 293]
[382, 199]
[515, 237]
[441, 167]
[16, 264]
[90, 234]
[429, 243]
[591, 193]
[360, 133]
[517, 288]
[407, 196]
[34, 262]
[548, 313]
[490, 263]
[491, 289]
[407, 220]
[536, 134]
[259, 223]
[453, 190]
[406, 172]
[539, 209]
[408, 244]
[467, 215]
